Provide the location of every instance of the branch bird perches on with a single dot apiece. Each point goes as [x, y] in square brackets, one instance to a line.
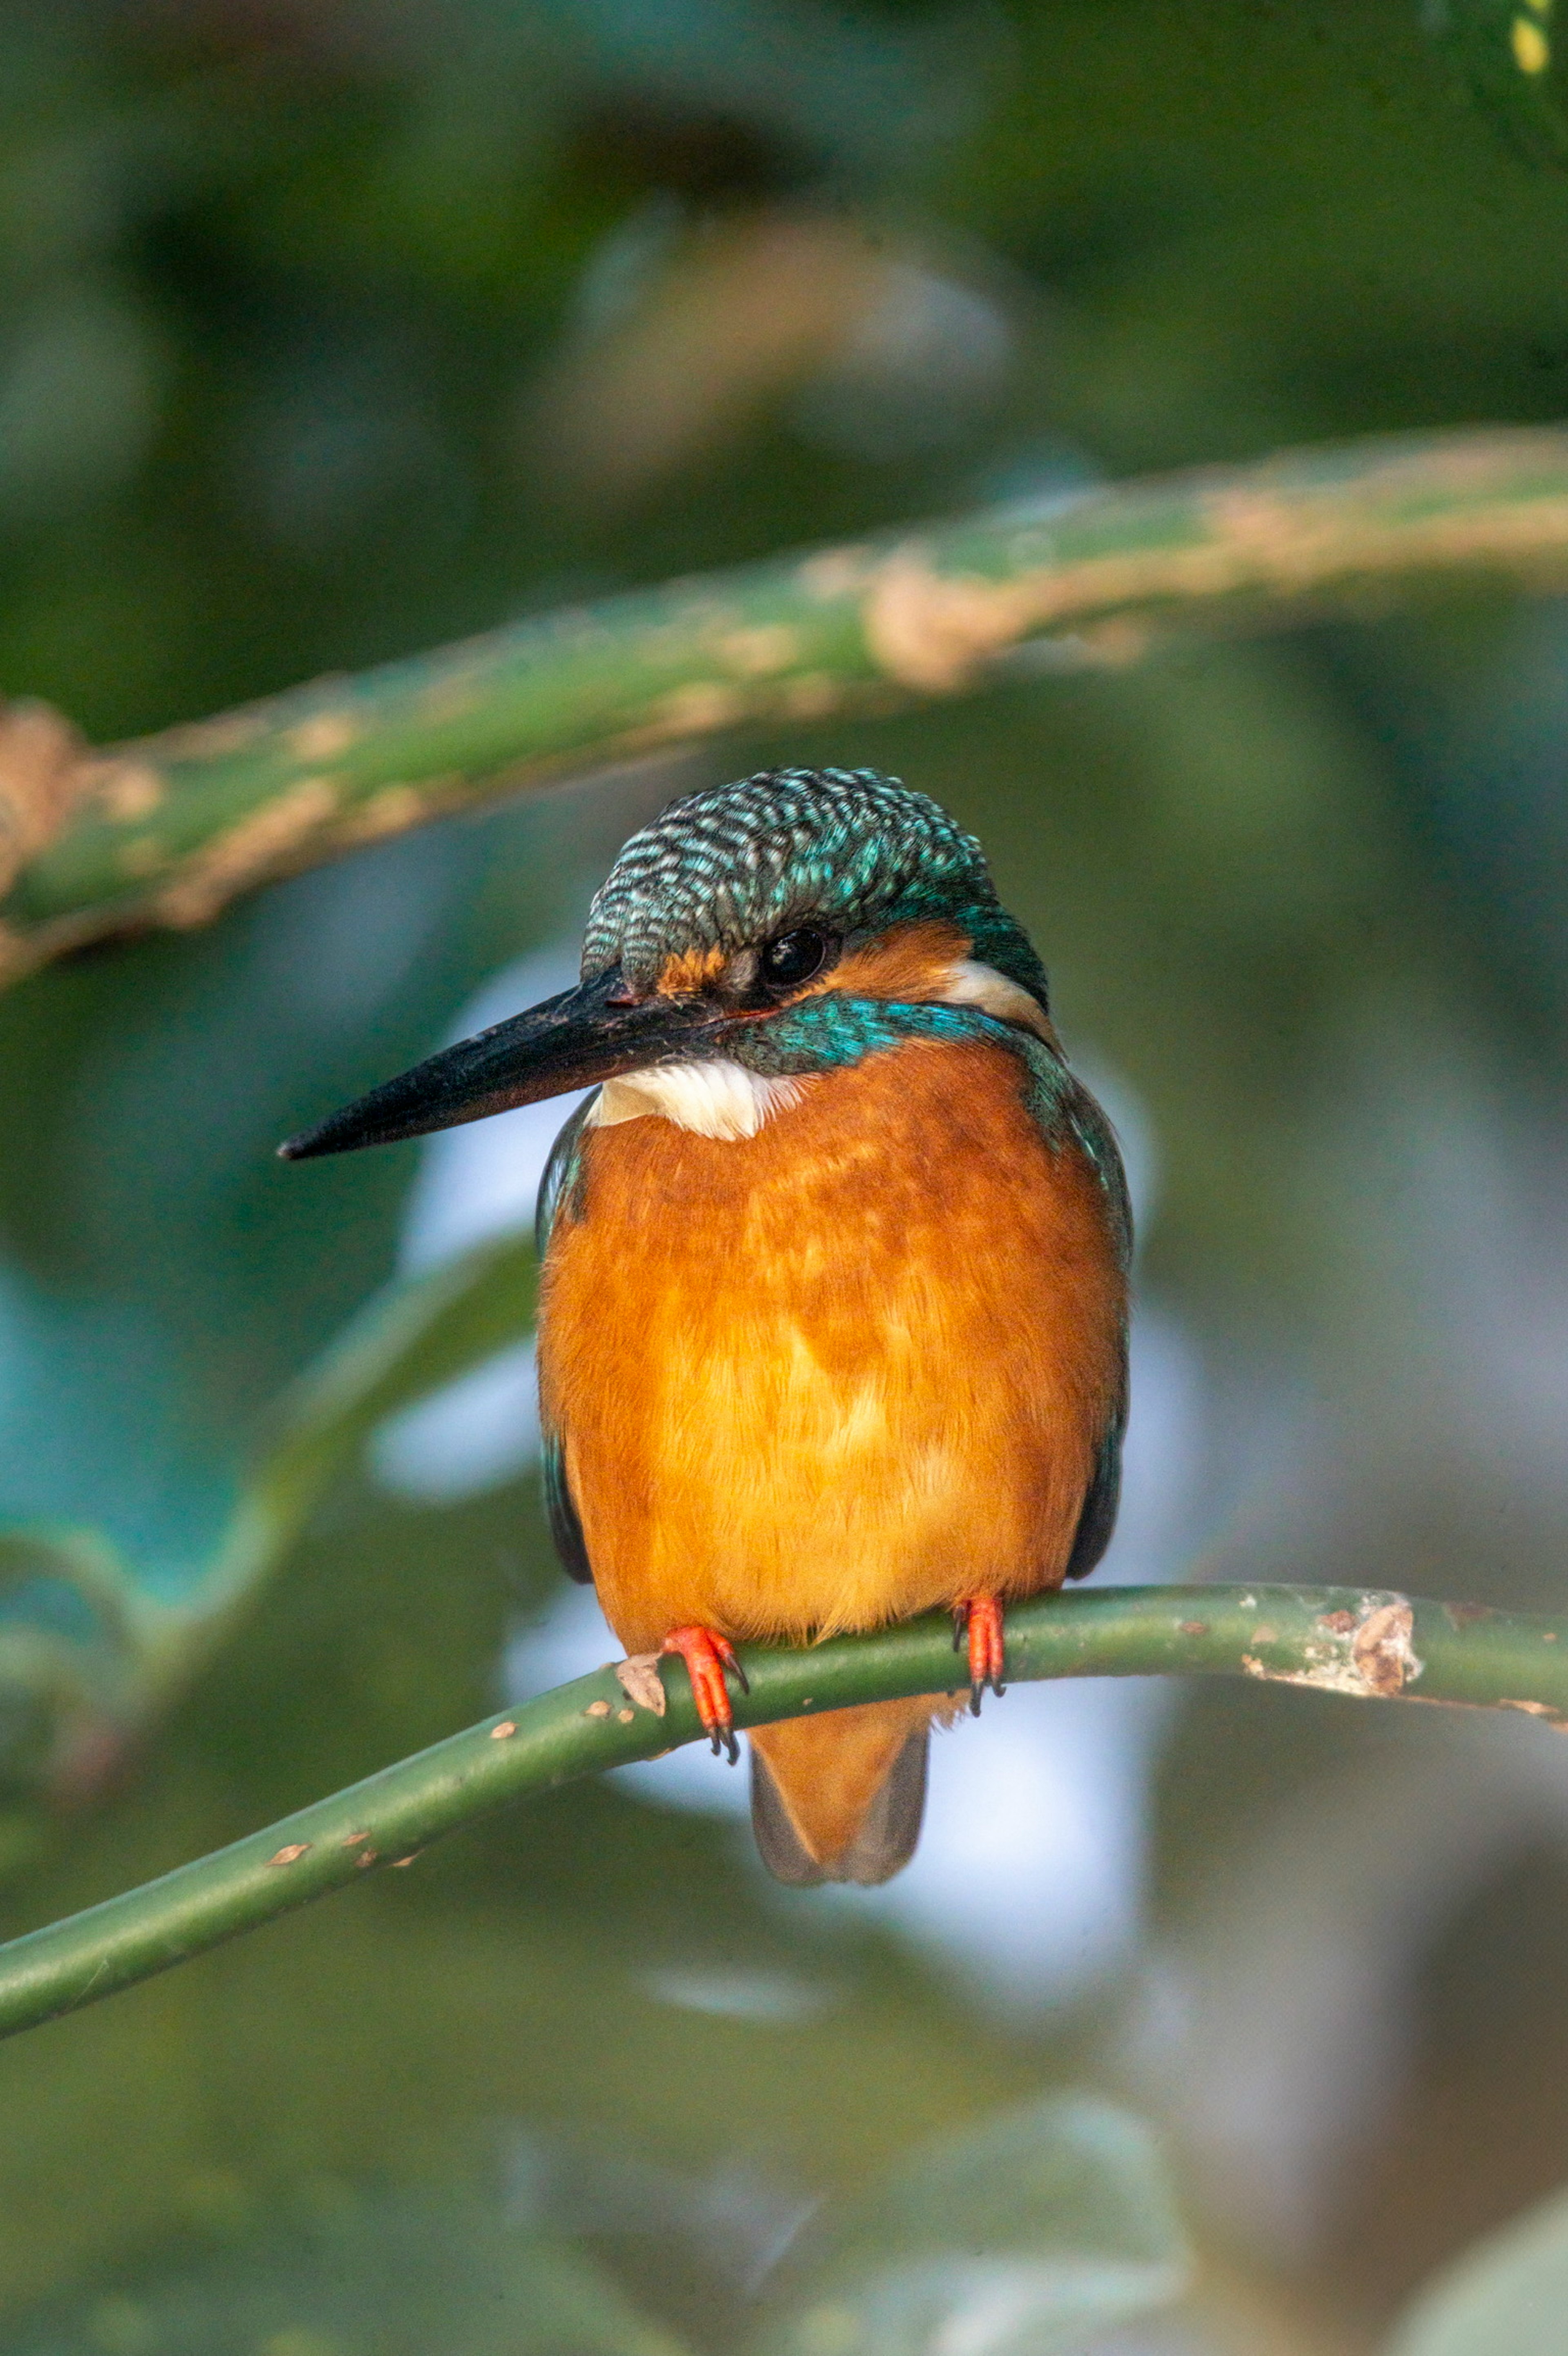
[1360, 1643]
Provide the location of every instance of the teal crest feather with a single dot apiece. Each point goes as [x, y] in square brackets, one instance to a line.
[848, 848]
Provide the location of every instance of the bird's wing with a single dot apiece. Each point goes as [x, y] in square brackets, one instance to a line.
[1069, 1115]
[565, 1527]
[565, 1524]
[1098, 1518]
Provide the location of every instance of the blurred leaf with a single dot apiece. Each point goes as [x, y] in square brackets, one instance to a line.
[1510, 2297]
[86, 1656]
[411, 1340]
[74, 1643]
[1503, 51]
[1015, 2238]
[78, 392]
[394, 2277]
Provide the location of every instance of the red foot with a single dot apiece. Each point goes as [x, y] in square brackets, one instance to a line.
[981, 1617]
[707, 1656]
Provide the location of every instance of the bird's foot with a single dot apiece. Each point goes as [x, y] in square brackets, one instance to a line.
[980, 1619]
[707, 1656]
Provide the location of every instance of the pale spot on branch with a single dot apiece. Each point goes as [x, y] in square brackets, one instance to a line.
[759, 653]
[700, 709]
[638, 1677]
[45, 773]
[1382, 1648]
[262, 845]
[128, 790]
[1368, 1654]
[323, 737]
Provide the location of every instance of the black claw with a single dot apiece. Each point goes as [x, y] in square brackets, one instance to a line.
[734, 1746]
[960, 1626]
[740, 1673]
[975, 1692]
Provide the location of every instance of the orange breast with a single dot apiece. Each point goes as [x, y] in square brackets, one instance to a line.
[838, 1373]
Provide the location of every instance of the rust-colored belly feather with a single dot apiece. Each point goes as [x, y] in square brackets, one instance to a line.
[854, 1367]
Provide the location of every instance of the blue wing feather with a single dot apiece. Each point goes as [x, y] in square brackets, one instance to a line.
[561, 1172]
[555, 1188]
[1098, 1520]
[1068, 1114]
[565, 1527]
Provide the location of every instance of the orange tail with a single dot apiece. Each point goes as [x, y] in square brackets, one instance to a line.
[840, 1797]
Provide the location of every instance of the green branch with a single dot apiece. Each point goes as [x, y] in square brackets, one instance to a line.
[167, 831]
[1334, 1640]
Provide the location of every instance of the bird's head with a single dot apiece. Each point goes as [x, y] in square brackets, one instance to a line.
[739, 931]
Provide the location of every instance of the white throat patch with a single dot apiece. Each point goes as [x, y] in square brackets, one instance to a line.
[714, 1099]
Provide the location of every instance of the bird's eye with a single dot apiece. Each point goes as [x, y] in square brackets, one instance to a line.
[793, 957]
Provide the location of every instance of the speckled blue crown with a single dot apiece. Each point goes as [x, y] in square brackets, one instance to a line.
[725, 868]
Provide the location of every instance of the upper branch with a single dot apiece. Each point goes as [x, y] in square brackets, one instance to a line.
[166, 832]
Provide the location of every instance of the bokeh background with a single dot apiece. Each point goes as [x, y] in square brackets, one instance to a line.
[332, 331]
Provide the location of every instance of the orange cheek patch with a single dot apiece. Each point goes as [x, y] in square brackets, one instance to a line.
[690, 973]
[910, 963]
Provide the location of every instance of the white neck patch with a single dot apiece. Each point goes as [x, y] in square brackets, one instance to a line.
[714, 1099]
[970, 983]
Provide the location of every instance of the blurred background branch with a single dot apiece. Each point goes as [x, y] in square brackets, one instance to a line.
[1337, 1640]
[167, 831]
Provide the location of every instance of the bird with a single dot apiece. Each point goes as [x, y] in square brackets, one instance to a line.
[834, 1299]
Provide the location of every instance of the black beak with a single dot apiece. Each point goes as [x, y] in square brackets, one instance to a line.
[584, 1036]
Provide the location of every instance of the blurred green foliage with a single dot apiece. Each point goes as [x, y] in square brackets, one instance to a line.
[346, 2273]
[1051, 2222]
[90, 1649]
[1512, 2293]
[1504, 54]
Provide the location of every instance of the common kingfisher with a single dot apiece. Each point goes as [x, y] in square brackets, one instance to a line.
[834, 1302]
